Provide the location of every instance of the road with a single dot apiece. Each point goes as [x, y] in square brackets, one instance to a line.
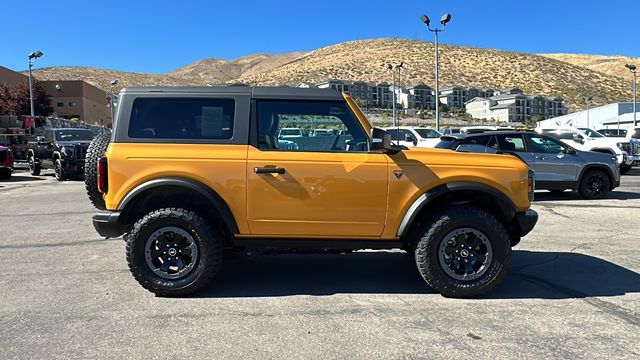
[573, 292]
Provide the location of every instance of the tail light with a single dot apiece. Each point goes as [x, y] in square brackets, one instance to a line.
[103, 180]
[531, 184]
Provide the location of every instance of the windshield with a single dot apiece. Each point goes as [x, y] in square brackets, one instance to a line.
[427, 133]
[74, 135]
[591, 133]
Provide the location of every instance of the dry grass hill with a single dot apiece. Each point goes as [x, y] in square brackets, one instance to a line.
[610, 65]
[573, 78]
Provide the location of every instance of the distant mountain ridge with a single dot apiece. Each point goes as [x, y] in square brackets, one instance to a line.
[573, 77]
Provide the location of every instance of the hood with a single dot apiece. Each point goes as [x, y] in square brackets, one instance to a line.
[4, 148]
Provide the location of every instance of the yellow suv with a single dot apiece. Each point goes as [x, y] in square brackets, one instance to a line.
[191, 172]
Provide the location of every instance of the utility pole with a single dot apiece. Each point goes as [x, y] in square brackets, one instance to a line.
[633, 69]
[588, 101]
[444, 20]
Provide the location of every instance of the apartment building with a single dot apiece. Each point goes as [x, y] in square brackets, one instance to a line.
[453, 97]
[337, 85]
[424, 96]
[515, 107]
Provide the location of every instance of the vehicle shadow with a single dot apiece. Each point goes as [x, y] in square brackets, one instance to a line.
[540, 275]
[14, 178]
[542, 196]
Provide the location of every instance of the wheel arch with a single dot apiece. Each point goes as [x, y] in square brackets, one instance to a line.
[461, 192]
[180, 192]
[592, 167]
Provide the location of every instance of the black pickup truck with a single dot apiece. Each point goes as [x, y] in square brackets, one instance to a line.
[62, 150]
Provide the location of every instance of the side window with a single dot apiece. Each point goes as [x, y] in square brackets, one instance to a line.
[474, 144]
[545, 145]
[510, 143]
[182, 118]
[406, 135]
[324, 126]
[48, 136]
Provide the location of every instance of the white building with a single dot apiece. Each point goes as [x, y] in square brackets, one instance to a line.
[603, 117]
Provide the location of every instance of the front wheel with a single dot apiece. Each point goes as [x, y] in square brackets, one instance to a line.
[174, 252]
[463, 252]
[58, 170]
[34, 166]
[594, 185]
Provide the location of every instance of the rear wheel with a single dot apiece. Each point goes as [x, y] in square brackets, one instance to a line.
[174, 252]
[95, 151]
[34, 166]
[595, 184]
[463, 252]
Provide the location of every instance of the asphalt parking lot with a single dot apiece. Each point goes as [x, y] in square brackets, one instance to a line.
[573, 292]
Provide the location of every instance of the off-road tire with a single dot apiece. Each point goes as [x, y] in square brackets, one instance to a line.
[625, 169]
[34, 166]
[433, 230]
[584, 188]
[95, 151]
[58, 170]
[209, 241]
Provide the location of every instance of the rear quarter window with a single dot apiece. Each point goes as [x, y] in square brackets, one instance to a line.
[182, 118]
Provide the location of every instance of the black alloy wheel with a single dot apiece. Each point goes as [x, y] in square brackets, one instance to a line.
[595, 185]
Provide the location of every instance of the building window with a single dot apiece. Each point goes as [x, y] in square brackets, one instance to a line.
[60, 104]
[72, 103]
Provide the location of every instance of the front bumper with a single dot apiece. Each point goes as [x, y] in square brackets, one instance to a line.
[73, 166]
[107, 225]
[526, 221]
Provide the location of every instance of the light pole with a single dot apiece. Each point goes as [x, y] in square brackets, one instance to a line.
[32, 57]
[113, 83]
[587, 100]
[632, 68]
[443, 20]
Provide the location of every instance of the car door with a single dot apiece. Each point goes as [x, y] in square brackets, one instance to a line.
[45, 149]
[552, 163]
[325, 186]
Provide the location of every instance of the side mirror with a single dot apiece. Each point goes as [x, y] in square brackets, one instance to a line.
[570, 151]
[39, 139]
[577, 138]
[380, 140]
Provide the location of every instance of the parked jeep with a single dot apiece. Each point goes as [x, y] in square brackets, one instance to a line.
[6, 163]
[189, 172]
[558, 166]
[62, 150]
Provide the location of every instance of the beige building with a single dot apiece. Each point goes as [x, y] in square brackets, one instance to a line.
[78, 99]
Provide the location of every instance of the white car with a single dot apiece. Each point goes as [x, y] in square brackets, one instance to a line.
[483, 128]
[289, 133]
[590, 140]
[410, 136]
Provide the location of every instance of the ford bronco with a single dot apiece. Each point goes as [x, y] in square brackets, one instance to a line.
[191, 172]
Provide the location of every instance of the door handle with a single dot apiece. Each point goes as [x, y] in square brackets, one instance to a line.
[540, 157]
[269, 170]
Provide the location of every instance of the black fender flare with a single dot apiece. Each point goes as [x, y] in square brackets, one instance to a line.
[590, 167]
[507, 207]
[214, 198]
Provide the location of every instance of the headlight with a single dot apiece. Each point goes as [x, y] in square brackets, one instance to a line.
[67, 151]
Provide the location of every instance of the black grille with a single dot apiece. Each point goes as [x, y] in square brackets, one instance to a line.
[81, 151]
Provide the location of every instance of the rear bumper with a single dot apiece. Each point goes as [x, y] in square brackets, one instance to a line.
[526, 221]
[107, 225]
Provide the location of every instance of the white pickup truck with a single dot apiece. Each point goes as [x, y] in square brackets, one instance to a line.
[586, 139]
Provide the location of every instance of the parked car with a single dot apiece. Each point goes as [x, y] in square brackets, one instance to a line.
[590, 140]
[288, 133]
[62, 150]
[414, 136]
[6, 163]
[449, 131]
[182, 201]
[558, 166]
[613, 132]
[322, 132]
[633, 133]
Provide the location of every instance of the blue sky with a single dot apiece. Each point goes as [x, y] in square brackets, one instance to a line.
[160, 36]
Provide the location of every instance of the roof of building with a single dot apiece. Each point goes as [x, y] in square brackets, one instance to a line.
[500, 106]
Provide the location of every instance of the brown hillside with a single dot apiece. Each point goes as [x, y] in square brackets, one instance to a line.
[101, 78]
[610, 65]
[363, 60]
[218, 71]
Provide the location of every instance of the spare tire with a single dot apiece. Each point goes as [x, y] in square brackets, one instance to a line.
[95, 151]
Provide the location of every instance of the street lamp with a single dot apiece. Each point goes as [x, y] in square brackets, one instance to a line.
[587, 100]
[32, 57]
[113, 83]
[395, 70]
[632, 68]
[444, 20]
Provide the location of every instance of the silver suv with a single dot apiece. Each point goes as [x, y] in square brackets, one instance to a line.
[558, 166]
